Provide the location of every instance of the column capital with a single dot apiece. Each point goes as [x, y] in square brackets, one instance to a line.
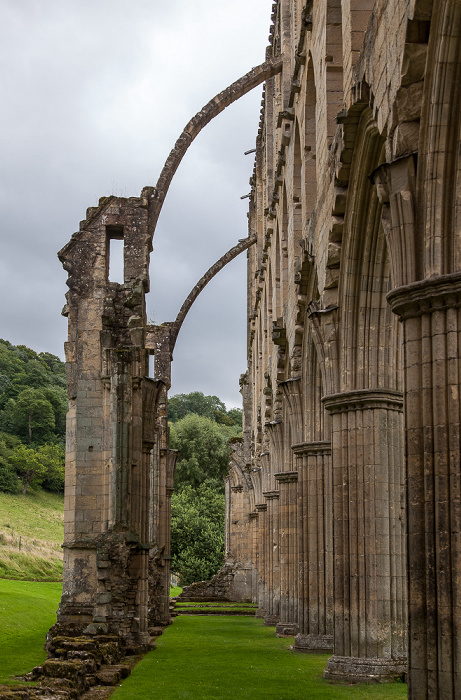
[426, 296]
[362, 399]
[271, 495]
[261, 507]
[237, 489]
[312, 448]
[286, 477]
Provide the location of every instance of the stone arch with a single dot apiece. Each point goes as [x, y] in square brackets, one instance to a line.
[316, 422]
[369, 347]
[296, 18]
[310, 146]
[439, 164]
[283, 251]
[295, 219]
[333, 65]
[218, 104]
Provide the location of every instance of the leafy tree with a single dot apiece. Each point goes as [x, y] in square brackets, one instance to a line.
[197, 532]
[237, 416]
[29, 467]
[203, 452]
[31, 416]
[196, 402]
[30, 385]
[9, 481]
[53, 459]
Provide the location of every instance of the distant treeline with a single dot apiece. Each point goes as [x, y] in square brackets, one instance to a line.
[33, 406]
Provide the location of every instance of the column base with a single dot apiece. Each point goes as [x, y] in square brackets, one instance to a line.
[271, 620]
[313, 643]
[261, 613]
[351, 669]
[286, 629]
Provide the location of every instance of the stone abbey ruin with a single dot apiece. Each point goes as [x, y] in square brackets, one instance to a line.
[344, 495]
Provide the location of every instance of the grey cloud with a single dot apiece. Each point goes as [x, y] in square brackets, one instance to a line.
[95, 93]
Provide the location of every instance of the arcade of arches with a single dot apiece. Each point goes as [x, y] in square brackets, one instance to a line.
[344, 496]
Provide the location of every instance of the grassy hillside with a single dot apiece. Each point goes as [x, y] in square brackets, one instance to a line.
[31, 534]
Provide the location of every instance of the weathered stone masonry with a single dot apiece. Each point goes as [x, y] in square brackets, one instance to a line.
[351, 398]
[343, 497]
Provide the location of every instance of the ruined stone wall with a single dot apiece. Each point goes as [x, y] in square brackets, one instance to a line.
[355, 208]
[118, 466]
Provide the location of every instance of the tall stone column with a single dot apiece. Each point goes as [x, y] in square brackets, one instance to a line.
[273, 543]
[288, 489]
[368, 534]
[431, 317]
[254, 522]
[261, 509]
[315, 537]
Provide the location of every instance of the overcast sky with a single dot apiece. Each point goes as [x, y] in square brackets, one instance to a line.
[94, 94]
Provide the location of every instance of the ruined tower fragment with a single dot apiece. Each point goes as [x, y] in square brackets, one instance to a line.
[116, 517]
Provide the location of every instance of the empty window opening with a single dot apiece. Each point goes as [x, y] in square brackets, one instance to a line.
[151, 365]
[115, 251]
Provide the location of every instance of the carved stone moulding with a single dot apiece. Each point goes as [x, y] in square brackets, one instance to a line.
[364, 399]
[271, 495]
[312, 448]
[426, 296]
[286, 477]
[261, 507]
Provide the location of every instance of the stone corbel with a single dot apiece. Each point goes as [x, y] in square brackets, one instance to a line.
[292, 392]
[324, 324]
[395, 186]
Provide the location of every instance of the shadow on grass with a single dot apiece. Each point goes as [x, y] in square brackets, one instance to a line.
[202, 658]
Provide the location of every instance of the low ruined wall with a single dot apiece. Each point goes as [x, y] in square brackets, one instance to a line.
[231, 583]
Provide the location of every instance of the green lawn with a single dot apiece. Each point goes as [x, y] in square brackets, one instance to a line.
[201, 658]
[27, 611]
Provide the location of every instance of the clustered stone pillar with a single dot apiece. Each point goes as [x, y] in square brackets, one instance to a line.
[431, 315]
[288, 623]
[273, 557]
[315, 536]
[263, 561]
[368, 536]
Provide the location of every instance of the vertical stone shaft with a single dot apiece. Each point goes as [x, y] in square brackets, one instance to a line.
[315, 538]
[261, 508]
[368, 534]
[273, 542]
[288, 624]
[254, 522]
[431, 316]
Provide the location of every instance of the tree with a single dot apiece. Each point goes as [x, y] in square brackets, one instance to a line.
[53, 459]
[30, 416]
[30, 468]
[9, 482]
[197, 532]
[203, 452]
[182, 404]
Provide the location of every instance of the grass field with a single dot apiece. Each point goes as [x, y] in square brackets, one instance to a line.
[197, 658]
[206, 658]
[27, 611]
[31, 534]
